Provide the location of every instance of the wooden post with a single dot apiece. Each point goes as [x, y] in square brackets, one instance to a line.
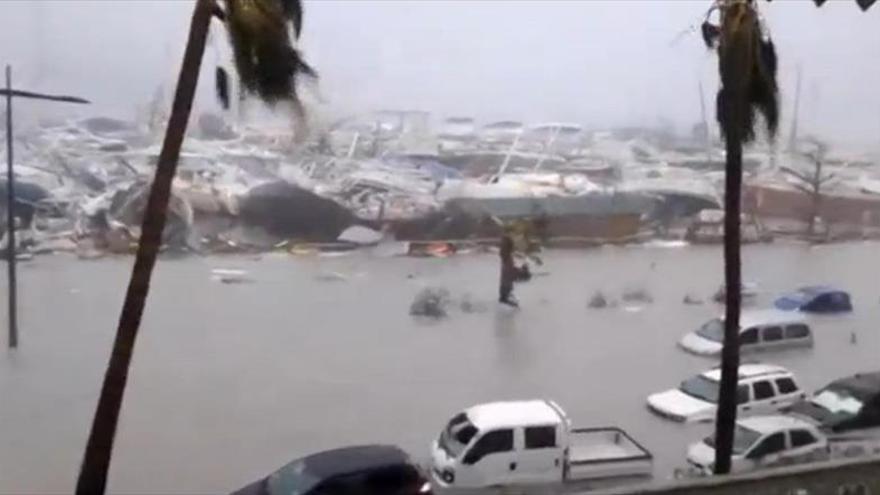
[99, 449]
[10, 219]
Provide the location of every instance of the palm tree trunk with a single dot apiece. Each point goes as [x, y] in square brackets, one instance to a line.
[727, 403]
[96, 460]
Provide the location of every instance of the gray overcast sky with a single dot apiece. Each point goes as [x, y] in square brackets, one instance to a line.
[596, 62]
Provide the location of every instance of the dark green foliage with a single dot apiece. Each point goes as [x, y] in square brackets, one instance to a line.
[266, 61]
[221, 85]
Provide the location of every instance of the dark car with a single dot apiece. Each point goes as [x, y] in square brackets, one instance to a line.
[849, 403]
[362, 470]
[816, 299]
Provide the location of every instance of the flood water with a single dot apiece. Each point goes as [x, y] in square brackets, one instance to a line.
[231, 381]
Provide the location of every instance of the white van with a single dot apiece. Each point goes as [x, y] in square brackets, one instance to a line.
[762, 388]
[764, 329]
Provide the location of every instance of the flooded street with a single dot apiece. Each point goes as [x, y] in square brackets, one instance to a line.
[231, 381]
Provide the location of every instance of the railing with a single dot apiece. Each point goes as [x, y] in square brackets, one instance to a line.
[842, 477]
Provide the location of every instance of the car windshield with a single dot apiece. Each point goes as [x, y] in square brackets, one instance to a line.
[457, 434]
[701, 388]
[713, 330]
[837, 401]
[292, 479]
[743, 438]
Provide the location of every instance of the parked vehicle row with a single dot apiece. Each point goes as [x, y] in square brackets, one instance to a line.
[533, 442]
[841, 419]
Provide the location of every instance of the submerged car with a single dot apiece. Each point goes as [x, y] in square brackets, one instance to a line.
[761, 388]
[759, 330]
[816, 299]
[847, 404]
[763, 441]
[361, 470]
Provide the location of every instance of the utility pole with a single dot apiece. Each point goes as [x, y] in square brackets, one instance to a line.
[10, 197]
[10, 220]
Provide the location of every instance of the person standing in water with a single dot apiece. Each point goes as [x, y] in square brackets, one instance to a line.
[510, 273]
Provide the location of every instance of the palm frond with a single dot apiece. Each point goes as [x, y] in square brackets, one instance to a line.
[221, 86]
[865, 4]
[294, 13]
[748, 66]
[265, 58]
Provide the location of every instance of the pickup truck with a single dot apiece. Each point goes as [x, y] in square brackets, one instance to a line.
[527, 443]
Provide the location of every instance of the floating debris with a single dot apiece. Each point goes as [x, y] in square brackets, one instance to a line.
[331, 277]
[230, 276]
[431, 302]
[692, 300]
[600, 301]
[637, 295]
[469, 304]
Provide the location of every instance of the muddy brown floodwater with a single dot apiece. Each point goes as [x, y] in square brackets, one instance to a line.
[230, 381]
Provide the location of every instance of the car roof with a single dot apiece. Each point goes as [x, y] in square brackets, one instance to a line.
[772, 423]
[509, 414]
[865, 385]
[754, 317]
[349, 460]
[816, 290]
[749, 370]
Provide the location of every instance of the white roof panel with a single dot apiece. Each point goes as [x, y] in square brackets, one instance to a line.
[511, 414]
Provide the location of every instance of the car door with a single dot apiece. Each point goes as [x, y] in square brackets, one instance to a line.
[763, 396]
[798, 334]
[748, 339]
[787, 391]
[489, 461]
[744, 399]
[541, 455]
[804, 447]
[767, 452]
[772, 337]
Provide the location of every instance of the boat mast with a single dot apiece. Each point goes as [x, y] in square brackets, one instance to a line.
[705, 123]
[509, 156]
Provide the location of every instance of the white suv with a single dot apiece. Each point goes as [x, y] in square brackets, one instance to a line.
[762, 388]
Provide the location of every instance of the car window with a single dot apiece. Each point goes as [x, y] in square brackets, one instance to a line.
[742, 394]
[540, 437]
[799, 438]
[771, 445]
[797, 331]
[749, 336]
[763, 390]
[491, 443]
[771, 334]
[786, 386]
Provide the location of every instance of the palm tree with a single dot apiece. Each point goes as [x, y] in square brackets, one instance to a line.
[747, 65]
[267, 65]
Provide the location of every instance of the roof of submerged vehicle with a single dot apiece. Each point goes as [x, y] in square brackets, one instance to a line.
[864, 385]
[754, 317]
[348, 460]
[509, 414]
[803, 296]
[749, 370]
[773, 423]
